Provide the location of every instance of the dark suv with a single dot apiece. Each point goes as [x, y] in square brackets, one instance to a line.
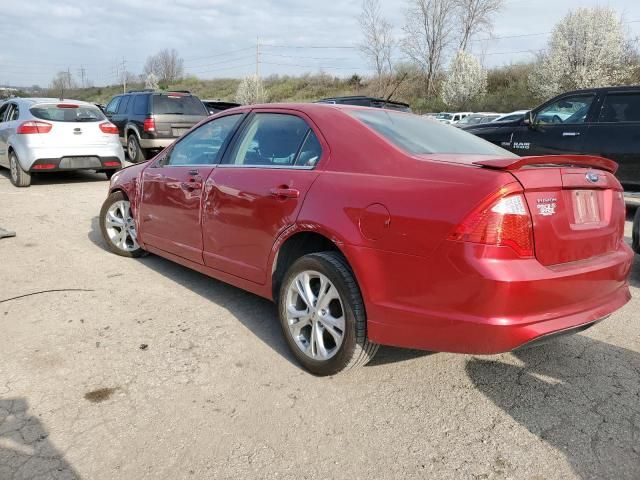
[598, 121]
[151, 120]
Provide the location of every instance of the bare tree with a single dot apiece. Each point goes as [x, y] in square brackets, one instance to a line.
[588, 48]
[378, 42]
[167, 65]
[63, 82]
[250, 91]
[474, 16]
[428, 32]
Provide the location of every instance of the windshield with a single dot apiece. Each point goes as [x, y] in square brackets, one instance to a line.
[418, 135]
[67, 113]
[178, 105]
[444, 116]
[471, 120]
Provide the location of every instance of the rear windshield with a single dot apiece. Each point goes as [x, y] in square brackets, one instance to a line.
[178, 105]
[418, 135]
[68, 113]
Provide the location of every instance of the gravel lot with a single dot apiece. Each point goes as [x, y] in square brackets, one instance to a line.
[144, 369]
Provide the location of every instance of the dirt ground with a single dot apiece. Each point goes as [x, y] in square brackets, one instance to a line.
[113, 368]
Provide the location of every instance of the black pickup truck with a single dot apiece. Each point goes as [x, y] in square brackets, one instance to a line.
[599, 121]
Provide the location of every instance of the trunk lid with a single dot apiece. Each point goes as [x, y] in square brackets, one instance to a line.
[576, 204]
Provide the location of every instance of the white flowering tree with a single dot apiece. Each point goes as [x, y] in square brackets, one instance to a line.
[588, 48]
[151, 81]
[465, 80]
[250, 91]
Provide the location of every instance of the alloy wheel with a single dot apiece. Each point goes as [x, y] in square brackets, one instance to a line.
[132, 149]
[120, 226]
[315, 315]
[14, 168]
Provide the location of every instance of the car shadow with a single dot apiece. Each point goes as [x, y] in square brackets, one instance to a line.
[57, 178]
[25, 448]
[579, 395]
[257, 314]
[634, 277]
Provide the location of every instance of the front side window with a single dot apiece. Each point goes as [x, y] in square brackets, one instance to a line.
[620, 107]
[275, 140]
[568, 110]
[421, 136]
[112, 107]
[3, 111]
[203, 146]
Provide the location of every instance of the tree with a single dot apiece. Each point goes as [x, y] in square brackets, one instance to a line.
[588, 48]
[465, 80]
[151, 81]
[63, 82]
[250, 91]
[474, 16]
[167, 65]
[378, 42]
[428, 32]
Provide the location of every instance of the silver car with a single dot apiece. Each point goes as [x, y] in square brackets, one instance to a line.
[48, 134]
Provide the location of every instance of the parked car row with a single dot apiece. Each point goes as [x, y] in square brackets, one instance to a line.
[467, 119]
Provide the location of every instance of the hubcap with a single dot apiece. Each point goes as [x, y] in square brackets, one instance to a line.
[120, 226]
[315, 315]
[133, 149]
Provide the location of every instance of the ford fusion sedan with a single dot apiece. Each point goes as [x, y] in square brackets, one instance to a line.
[370, 226]
[47, 134]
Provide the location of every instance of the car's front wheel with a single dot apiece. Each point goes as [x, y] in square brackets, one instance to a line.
[118, 226]
[322, 315]
[19, 177]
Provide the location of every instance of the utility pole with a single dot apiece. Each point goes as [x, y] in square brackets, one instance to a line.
[124, 75]
[82, 74]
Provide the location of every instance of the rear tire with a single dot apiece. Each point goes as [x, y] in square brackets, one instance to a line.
[327, 336]
[118, 227]
[135, 152]
[19, 177]
[635, 236]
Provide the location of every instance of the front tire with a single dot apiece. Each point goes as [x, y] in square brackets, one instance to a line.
[134, 151]
[322, 315]
[118, 226]
[19, 177]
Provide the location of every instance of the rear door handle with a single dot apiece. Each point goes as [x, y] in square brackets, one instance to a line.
[285, 192]
[570, 134]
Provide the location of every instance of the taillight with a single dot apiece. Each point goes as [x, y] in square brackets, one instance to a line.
[31, 127]
[108, 127]
[111, 164]
[149, 125]
[502, 220]
[44, 166]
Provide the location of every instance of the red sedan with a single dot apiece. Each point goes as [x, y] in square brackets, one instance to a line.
[370, 227]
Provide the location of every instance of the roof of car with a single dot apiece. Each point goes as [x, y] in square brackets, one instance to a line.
[50, 100]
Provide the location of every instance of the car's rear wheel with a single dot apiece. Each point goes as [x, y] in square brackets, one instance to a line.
[136, 153]
[19, 177]
[118, 226]
[322, 315]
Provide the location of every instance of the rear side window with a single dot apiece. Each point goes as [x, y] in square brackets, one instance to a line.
[56, 113]
[620, 107]
[177, 105]
[124, 103]
[272, 140]
[141, 105]
[420, 136]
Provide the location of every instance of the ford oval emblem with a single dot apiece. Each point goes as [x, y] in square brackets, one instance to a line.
[592, 177]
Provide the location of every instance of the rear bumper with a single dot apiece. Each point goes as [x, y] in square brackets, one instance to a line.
[156, 143]
[465, 300]
[76, 163]
[28, 156]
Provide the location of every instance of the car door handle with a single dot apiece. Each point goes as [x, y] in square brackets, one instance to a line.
[285, 192]
[192, 184]
[570, 134]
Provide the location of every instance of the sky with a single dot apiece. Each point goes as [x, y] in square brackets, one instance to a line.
[218, 38]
